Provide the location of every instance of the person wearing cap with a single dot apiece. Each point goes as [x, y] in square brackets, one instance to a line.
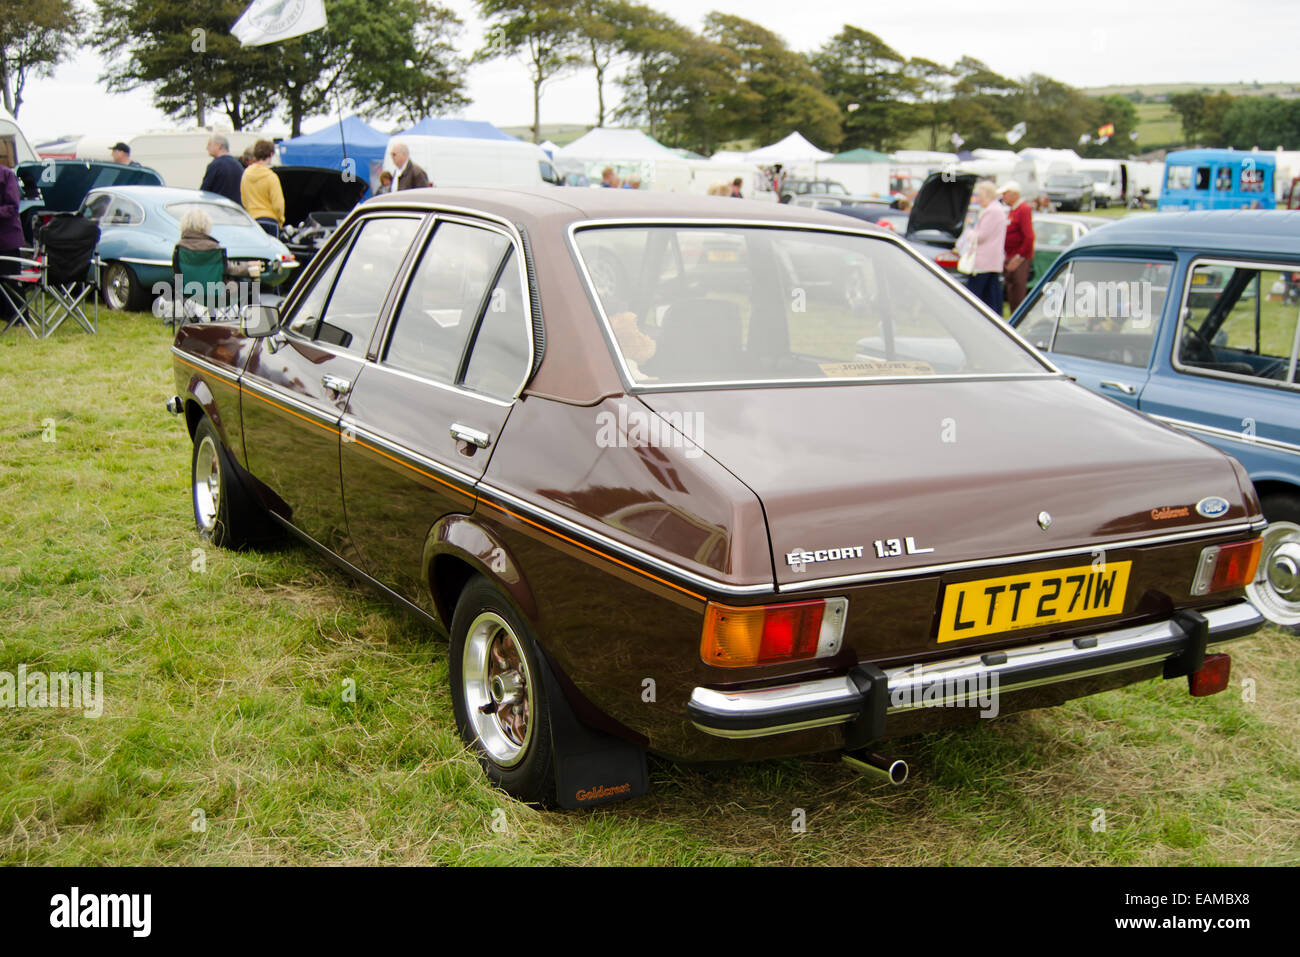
[122, 154]
[1019, 245]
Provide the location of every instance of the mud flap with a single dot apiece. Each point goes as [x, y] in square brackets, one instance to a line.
[591, 767]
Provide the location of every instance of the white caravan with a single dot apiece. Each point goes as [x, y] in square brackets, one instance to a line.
[462, 161]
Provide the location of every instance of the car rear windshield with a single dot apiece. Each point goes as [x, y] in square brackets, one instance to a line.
[729, 305]
[220, 215]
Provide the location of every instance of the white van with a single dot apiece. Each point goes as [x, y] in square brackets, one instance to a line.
[1109, 180]
[457, 161]
[14, 148]
[180, 157]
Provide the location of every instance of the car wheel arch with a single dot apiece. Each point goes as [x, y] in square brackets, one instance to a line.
[457, 548]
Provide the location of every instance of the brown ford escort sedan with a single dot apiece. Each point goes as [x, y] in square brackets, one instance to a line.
[711, 479]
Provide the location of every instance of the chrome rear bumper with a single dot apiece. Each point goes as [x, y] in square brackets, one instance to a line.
[961, 681]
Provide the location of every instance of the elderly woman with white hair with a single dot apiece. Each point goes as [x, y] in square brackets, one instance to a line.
[196, 234]
[984, 244]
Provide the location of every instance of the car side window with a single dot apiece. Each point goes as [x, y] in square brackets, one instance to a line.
[307, 316]
[364, 278]
[97, 207]
[449, 291]
[1105, 310]
[498, 357]
[1240, 320]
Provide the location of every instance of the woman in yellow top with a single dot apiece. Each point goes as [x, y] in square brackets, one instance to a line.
[260, 189]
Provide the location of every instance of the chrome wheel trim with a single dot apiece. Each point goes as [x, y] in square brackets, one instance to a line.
[498, 689]
[207, 484]
[1276, 588]
[117, 286]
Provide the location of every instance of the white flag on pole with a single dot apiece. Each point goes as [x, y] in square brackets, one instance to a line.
[269, 21]
[1016, 133]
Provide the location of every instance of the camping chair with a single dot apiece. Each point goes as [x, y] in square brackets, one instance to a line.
[204, 291]
[21, 292]
[65, 245]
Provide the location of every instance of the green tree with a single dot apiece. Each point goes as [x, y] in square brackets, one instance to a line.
[599, 26]
[544, 32]
[34, 39]
[983, 105]
[868, 80]
[931, 82]
[658, 47]
[1201, 114]
[1116, 110]
[1266, 122]
[776, 89]
[187, 58]
[1055, 115]
[391, 55]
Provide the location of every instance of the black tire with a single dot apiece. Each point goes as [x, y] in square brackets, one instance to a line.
[485, 621]
[121, 289]
[224, 513]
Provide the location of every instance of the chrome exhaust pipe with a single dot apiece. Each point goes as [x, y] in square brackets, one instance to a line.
[876, 766]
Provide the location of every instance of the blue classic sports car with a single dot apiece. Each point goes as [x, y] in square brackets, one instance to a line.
[1194, 319]
[141, 225]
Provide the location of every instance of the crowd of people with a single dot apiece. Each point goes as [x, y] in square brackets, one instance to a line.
[996, 253]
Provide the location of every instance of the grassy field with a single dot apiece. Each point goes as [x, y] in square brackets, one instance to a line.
[225, 738]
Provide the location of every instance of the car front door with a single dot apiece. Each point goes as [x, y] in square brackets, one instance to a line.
[1098, 319]
[423, 422]
[297, 382]
[1231, 377]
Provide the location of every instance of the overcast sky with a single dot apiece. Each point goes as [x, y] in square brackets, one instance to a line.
[1083, 43]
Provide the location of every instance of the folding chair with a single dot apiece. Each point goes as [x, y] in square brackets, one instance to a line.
[20, 291]
[205, 292]
[65, 248]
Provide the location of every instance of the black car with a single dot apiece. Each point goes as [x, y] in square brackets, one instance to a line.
[1071, 191]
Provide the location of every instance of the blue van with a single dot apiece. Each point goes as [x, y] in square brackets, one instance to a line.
[1218, 179]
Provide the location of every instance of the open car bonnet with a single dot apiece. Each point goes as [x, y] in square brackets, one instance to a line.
[941, 204]
[63, 184]
[312, 189]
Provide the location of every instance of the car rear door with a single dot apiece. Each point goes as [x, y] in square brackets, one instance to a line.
[423, 422]
[1097, 318]
[296, 384]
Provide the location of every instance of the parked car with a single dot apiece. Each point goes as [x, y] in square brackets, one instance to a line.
[1053, 235]
[316, 200]
[1192, 320]
[688, 507]
[882, 212]
[1071, 191]
[811, 187]
[60, 186]
[140, 226]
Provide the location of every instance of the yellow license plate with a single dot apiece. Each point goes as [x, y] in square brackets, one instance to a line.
[994, 605]
[1200, 279]
[722, 255]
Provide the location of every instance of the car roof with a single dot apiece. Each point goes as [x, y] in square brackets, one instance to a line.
[575, 204]
[1274, 231]
[1219, 156]
[1092, 222]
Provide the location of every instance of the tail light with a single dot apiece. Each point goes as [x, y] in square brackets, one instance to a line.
[740, 637]
[947, 259]
[1225, 567]
[1211, 678]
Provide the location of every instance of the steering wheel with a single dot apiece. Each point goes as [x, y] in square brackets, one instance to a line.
[1196, 349]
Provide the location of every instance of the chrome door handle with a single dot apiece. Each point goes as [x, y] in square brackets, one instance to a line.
[1121, 386]
[336, 384]
[463, 433]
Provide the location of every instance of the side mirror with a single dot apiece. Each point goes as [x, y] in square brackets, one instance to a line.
[257, 321]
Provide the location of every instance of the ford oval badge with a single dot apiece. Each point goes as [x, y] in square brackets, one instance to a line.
[1212, 507]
